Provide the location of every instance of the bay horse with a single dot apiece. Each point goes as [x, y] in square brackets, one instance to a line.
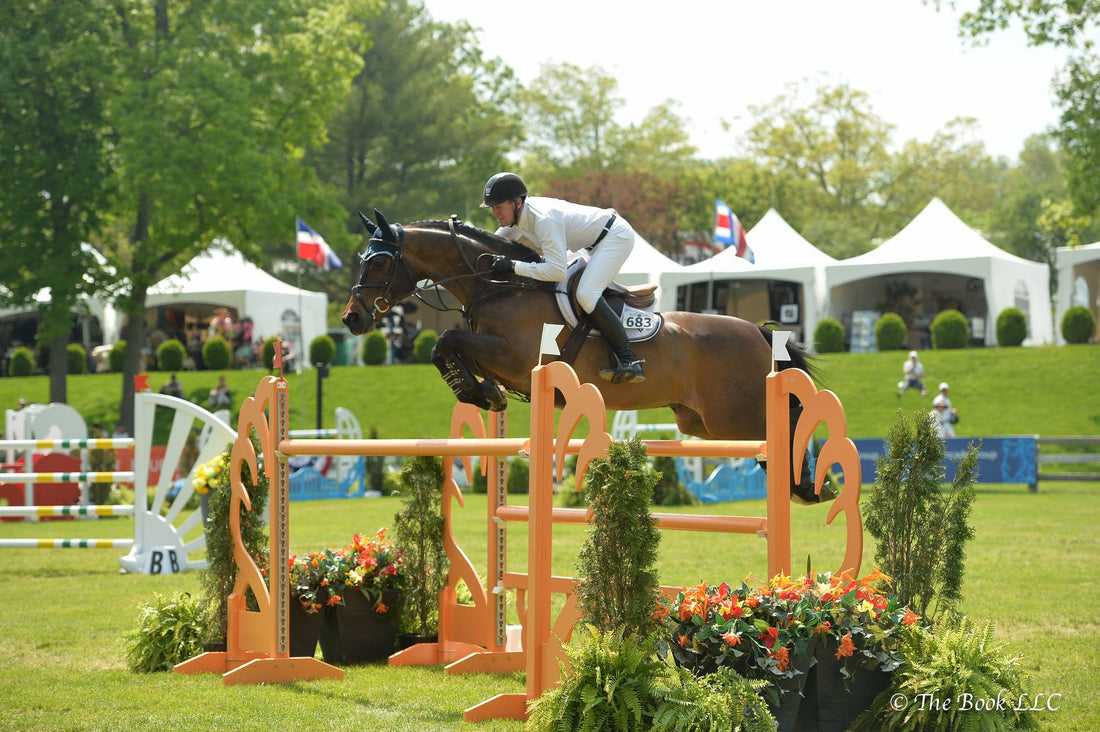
[708, 369]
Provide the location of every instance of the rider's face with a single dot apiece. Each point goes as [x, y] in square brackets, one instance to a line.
[505, 213]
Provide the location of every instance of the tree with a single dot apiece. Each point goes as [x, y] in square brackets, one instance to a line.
[1072, 26]
[211, 109]
[54, 167]
[837, 148]
[426, 123]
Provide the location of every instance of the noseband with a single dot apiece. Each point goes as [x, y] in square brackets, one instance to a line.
[379, 247]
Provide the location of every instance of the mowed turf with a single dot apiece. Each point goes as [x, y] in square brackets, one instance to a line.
[1031, 566]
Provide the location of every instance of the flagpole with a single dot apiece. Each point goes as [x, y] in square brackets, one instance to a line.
[298, 356]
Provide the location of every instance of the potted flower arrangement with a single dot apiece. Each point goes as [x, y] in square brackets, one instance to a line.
[825, 643]
[360, 592]
[309, 597]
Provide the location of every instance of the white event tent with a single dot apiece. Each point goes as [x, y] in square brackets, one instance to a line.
[786, 283]
[224, 278]
[1078, 282]
[943, 264]
[645, 264]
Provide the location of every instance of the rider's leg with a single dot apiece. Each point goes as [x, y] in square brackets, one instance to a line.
[628, 367]
[606, 260]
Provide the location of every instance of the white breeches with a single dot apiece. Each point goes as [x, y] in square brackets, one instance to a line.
[604, 264]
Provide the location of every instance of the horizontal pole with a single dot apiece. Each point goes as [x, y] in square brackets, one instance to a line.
[1079, 458]
[113, 477]
[94, 443]
[66, 543]
[504, 446]
[1078, 440]
[299, 434]
[41, 511]
[669, 521]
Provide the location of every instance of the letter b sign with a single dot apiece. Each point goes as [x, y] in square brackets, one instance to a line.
[161, 560]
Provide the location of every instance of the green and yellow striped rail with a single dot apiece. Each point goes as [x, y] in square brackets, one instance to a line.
[126, 476]
[66, 543]
[87, 511]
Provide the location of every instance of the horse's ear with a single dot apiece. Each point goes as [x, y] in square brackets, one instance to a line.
[368, 223]
[384, 226]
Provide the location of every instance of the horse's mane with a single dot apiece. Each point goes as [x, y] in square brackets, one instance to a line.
[487, 240]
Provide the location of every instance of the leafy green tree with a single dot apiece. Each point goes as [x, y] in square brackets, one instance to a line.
[54, 165]
[427, 121]
[210, 110]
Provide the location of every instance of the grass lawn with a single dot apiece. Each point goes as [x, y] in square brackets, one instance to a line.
[1030, 567]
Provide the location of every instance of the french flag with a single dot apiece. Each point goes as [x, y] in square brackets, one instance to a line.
[729, 232]
[313, 247]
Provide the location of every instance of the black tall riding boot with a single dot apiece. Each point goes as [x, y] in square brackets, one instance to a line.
[628, 367]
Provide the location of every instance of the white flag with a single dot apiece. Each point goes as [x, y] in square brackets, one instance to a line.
[779, 345]
[550, 339]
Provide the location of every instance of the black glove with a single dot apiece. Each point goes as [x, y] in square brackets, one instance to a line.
[502, 265]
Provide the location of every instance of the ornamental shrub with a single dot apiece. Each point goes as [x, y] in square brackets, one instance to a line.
[170, 630]
[170, 355]
[890, 332]
[375, 348]
[22, 362]
[829, 336]
[617, 565]
[423, 345]
[1078, 325]
[267, 352]
[216, 353]
[76, 359]
[117, 356]
[1011, 327]
[322, 349]
[418, 533]
[950, 330]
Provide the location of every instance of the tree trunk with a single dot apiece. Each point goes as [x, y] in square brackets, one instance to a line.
[133, 332]
[59, 367]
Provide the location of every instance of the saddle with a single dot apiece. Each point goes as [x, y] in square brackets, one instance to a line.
[637, 302]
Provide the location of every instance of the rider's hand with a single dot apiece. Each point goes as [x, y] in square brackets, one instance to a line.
[502, 265]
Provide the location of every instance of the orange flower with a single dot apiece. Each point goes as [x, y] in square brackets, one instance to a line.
[380, 608]
[824, 627]
[683, 639]
[783, 656]
[661, 612]
[910, 617]
[731, 638]
[847, 647]
[333, 600]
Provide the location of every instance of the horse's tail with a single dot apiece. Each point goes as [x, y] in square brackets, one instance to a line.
[800, 356]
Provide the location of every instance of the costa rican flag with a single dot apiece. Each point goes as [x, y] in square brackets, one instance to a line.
[729, 232]
[313, 247]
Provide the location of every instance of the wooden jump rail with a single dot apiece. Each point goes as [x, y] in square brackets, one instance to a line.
[257, 641]
[1066, 458]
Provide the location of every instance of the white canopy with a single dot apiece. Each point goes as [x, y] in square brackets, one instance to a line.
[224, 278]
[1078, 281]
[645, 264]
[782, 255]
[944, 264]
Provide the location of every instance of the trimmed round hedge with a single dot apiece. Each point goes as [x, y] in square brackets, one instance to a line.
[21, 362]
[117, 356]
[950, 330]
[171, 355]
[216, 353]
[322, 349]
[423, 345]
[375, 348]
[829, 336]
[1078, 325]
[890, 332]
[1011, 327]
[76, 359]
[267, 352]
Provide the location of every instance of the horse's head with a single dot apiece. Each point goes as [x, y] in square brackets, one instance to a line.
[385, 277]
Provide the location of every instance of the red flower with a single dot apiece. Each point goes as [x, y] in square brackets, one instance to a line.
[783, 656]
[769, 637]
[683, 639]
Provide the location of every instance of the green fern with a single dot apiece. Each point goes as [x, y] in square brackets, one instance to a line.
[717, 702]
[959, 658]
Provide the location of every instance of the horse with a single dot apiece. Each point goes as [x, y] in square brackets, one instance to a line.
[708, 369]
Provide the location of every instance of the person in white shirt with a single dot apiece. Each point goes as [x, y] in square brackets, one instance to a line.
[553, 228]
[942, 398]
[913, 371]
[941, 420]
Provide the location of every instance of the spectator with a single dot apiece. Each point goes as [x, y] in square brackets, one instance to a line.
[173, 387]
[913, 371]
[941, 420]
[120, 431]
[942, 398]
[219, 395]
[22, 404]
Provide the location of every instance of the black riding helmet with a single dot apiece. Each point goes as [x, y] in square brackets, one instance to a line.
[503, 187]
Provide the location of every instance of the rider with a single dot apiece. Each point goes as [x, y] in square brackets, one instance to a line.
[551, 226]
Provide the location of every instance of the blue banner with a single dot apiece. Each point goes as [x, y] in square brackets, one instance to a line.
[1000, 459]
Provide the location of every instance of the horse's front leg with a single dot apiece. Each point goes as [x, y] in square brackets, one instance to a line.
[453, 355]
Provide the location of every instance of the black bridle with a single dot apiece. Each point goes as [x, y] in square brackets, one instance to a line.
[387, 242]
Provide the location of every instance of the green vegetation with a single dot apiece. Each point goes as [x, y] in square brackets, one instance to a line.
[890, 332]
[1011, 327]
[829, 336]
[950, 330]
[170, 355]
[423, 345]
[22, 362]
[322, 349]
[216, 353]
[375, 348]
[1078, 325]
